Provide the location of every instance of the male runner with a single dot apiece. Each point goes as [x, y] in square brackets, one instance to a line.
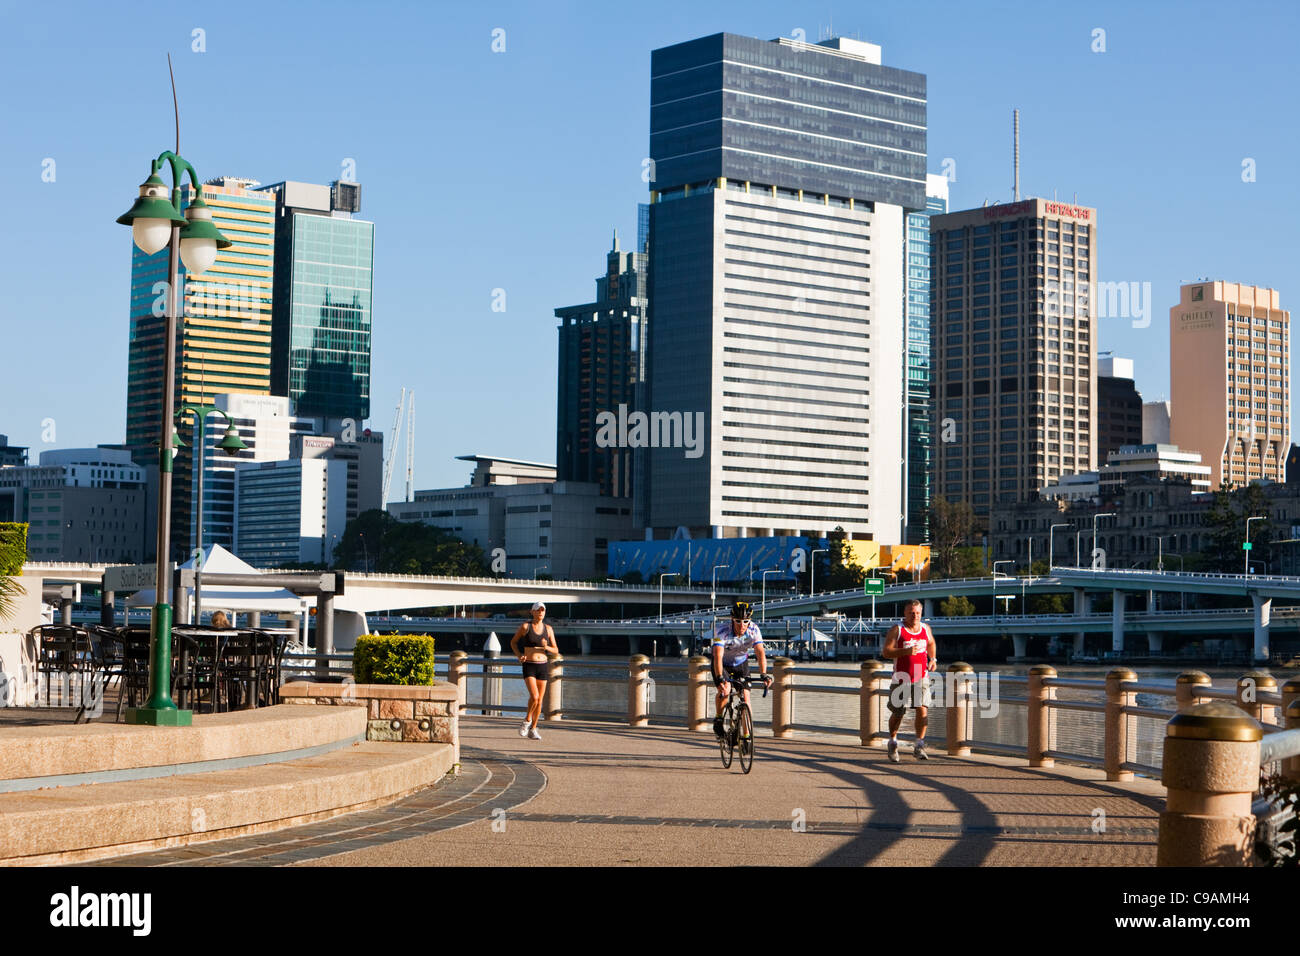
[732, 642]
[911, 646]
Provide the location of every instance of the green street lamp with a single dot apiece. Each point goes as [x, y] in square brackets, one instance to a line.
[231, 444]
[156, 221]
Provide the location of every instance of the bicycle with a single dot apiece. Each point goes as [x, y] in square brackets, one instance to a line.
[738, 725]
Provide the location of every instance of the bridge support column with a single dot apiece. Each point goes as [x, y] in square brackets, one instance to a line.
[633, 645]
[254, 618]
[1082, 605]
[107, 606]
[1019, 644]
[1155, 642]
[585, 641]
[1079, 645]
[1151, 602]
[1117, 621]
[1263, 611]
[927, 608]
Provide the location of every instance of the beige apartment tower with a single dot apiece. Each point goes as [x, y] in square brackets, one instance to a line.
[1012, 345]
[1230, 381]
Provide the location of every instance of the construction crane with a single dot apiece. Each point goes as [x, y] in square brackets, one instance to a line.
[410, 450]
[391, 458]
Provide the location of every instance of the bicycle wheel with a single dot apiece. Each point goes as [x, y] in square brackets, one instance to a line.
[745, 738]
[725, 742]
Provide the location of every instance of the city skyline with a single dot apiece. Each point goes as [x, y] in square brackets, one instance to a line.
[435, 327]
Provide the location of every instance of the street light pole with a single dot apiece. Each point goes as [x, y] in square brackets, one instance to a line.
[765, 574]
[156, 222]
[713, 590]
[1051, 552]
[666, 574]
[995, 588]
[812, 584]
[1107, 514]
[1246, 550]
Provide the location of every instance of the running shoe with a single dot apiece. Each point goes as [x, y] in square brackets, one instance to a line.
[523, 730]
[918, 751]
[893, 751]
[533, 734]
[717, 726]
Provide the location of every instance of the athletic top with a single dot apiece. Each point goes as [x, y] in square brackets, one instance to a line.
[533, 639]
[735, 649]
[917, 644]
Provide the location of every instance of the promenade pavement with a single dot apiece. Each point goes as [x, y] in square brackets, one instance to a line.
[656, 796]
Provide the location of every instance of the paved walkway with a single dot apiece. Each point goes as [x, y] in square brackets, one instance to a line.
[599, 793]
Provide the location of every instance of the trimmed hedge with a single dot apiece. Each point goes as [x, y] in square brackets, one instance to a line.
[393, 659]
[13, 547]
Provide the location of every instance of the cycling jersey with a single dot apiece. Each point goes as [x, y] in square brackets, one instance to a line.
[736, 648]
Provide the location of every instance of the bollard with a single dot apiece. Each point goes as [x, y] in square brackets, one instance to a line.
[872, 722]
[1210, 771]
[638, 696]
[698, 680]
[1040, 738]
[1118, 724]
[458, 674]
[553, 696]
[1250, 687]
[782, 697]
[958, 712]
[1291, 765]
[492, 677]
[1187, 689]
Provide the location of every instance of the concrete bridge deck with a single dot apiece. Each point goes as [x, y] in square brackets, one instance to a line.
[593, 793]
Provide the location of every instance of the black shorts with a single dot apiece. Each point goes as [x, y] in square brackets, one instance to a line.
[540, 670]
[740, 670]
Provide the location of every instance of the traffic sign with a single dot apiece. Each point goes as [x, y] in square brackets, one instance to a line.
[873, 586]
[1246, 546]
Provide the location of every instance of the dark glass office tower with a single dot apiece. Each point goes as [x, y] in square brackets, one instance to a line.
[601, 366]
[320, 331]
[782, 174]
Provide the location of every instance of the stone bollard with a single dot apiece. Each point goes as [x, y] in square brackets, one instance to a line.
[872, 723]
[1187, 689]
[458, 674]
[1250, 687]
[1210, 770]
[1118, 724]
[1291, 715]
[698, 680]
[638, 691]
[553, 696]
[1041, 738]
[782, 697]
[959, 709]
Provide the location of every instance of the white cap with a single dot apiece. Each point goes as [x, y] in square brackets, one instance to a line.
[539, 606]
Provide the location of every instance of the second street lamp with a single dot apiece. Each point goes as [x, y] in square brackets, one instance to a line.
[157, 222]
[231, 444]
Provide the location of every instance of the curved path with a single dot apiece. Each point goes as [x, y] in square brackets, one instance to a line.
[594, 793]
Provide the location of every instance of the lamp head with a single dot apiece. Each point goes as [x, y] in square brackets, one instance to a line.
[231, 443]
[200, 239]
[152, 216]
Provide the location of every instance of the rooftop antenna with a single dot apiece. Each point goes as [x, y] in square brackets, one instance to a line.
[1015, 153]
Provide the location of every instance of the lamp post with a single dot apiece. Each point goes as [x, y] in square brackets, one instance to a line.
[1051, 553]
[156, 223]
[995, 587]
[812, 583]
[1106, 514]
[1246, 544]
[231, 444]
[666, 574]
[713, 590]
[765, 574]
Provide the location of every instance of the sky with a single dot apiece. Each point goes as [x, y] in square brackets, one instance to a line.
[510, 169]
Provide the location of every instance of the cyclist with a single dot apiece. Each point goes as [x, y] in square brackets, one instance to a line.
[732, 642]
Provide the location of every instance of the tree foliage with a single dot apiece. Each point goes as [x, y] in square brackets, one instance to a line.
[844, 572]
[951, 525]
[1226, 526]
[957, 606]
[378, 542]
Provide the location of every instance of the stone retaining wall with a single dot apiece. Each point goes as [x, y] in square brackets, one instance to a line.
[395, 713]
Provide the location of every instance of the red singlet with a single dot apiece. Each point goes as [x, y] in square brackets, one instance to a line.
[917, 643]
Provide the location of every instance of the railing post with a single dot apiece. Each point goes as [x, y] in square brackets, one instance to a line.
[698, 670]
[1187, 689]
[638, 696]
[1118, 723]
[782, 697]
[872, 722]
[553, 697]
[1249, 688]
[1210, 770]
[458, 674]
[958, 710]
[1040, 738]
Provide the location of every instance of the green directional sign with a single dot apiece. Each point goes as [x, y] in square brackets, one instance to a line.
[873, 586]
[1246, 546]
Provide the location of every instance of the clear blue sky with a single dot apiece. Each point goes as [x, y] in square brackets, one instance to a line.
[509, 170]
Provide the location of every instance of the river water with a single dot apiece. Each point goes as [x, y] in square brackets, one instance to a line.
[598, 684]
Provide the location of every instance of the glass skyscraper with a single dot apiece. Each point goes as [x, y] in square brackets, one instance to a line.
[322, 301]
[920, 451]
[782, 174]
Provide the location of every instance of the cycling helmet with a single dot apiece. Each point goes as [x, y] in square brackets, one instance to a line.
[742, 611]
